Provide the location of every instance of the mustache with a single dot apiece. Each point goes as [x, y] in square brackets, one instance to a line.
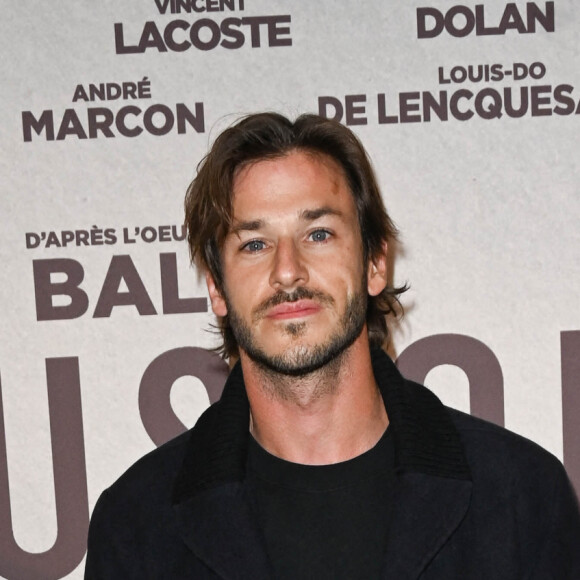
[300, 293]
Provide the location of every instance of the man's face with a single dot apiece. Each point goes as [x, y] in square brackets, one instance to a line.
[295, 285]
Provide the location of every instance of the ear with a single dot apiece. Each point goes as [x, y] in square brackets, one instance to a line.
[218, 304]
[377, 272]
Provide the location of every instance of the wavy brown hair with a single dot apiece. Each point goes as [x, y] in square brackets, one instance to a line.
[208, 201]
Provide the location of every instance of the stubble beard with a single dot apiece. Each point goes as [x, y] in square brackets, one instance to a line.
[302, 369]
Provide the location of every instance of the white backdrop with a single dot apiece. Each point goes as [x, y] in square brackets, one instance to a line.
[487, 206]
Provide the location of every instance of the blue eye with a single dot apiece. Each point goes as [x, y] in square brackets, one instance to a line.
[254, 246]
[319, 236]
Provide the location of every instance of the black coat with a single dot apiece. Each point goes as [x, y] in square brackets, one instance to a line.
[472, 500]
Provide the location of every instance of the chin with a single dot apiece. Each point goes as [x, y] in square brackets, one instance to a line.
[303, 358]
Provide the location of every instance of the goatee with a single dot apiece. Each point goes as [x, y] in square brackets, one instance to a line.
[302, 360]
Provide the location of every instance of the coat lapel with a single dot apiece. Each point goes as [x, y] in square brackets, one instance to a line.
[433, 488]
[220, 529]
[210, 499]
[426, 511]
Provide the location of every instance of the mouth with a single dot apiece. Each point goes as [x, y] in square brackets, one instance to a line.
[298, 309]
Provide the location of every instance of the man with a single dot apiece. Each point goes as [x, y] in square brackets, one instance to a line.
[320, 460]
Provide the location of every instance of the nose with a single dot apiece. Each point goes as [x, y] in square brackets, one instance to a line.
[288, 268]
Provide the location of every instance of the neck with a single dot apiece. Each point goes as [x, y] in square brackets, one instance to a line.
[328, 416]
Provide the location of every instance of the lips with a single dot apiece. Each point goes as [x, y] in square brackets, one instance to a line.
[297, 309]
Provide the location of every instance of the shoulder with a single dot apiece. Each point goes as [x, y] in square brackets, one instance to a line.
[133, 526]
[499, 460]
[155, 470]
[141, 497]
[146, 487]
[486, 442]
[134, 516]
[151, 478]
[523, 487]
[516, 475]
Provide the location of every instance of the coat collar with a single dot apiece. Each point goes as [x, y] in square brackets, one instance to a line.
[432, 493]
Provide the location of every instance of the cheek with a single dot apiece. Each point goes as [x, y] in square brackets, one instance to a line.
[243, 294]
[246, 278]
[340, 279]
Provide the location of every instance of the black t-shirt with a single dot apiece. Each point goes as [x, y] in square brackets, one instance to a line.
[326, 521]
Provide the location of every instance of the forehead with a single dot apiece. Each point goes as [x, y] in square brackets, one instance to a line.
[296, 181]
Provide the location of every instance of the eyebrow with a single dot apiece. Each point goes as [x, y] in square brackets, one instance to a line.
[313, 214]
[247, 226]
[309, 215]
